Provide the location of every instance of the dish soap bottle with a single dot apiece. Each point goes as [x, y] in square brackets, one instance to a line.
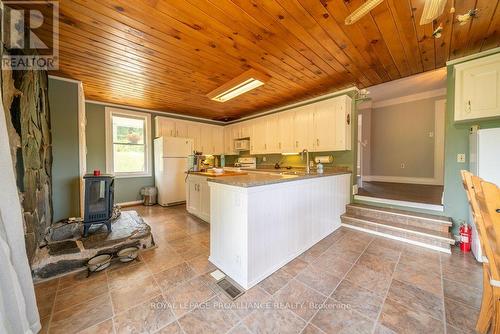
[319, 168]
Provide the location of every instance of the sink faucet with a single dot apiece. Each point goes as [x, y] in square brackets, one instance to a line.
[308, 168]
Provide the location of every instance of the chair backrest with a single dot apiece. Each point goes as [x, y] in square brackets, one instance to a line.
[488, 201]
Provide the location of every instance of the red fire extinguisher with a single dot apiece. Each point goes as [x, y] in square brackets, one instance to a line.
[465, 237]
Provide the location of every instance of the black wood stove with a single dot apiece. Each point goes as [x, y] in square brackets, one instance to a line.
[99, 200]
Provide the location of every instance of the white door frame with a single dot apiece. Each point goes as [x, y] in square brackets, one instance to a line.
[82, 144]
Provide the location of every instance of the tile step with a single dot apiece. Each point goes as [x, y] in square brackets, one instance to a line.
[409, 230]
[427, 221]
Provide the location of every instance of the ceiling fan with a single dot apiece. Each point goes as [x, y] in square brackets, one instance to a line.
[432, 10]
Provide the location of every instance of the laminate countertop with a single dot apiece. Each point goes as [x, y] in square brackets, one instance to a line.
[262, 179]
[226, 173]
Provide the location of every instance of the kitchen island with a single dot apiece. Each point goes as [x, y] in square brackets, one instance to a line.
[260, 222]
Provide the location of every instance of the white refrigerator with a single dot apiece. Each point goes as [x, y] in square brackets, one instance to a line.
[171, 163]
[484, 161]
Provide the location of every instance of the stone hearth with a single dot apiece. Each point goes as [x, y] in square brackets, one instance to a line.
[61, 256]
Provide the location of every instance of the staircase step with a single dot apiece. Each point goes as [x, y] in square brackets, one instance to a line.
[432, 239]
[422, 220]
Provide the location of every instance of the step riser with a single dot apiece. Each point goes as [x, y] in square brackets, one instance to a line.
[396, 218]
[445, 248]
[431, 242]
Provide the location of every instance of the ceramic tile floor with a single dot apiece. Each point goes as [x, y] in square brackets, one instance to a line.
[350, 282]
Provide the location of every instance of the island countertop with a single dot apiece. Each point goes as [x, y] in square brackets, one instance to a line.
[260, 179]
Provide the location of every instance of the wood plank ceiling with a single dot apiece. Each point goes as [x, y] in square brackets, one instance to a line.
[167, 55]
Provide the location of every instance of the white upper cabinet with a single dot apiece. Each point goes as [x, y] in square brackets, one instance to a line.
[323, 136]
[229, 140]
[193, 132]
[272, 135]
[181, 129]
[217, 140]
[258, 137]
[477, 88]
[164, 127]
[285, 125]
[302, 122]
[343, 124]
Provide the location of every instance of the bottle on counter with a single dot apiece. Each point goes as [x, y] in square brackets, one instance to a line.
[222, 160]
[319, 168]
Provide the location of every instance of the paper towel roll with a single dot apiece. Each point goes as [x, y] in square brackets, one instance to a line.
[325, 159]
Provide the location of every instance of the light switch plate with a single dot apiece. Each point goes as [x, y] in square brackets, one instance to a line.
[461, 157]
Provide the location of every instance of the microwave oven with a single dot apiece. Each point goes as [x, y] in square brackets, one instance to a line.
[242, 145]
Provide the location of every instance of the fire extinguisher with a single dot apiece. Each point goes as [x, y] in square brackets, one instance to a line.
[465, 237]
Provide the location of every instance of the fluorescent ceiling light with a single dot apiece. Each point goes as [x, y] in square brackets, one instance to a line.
[242, 88]
[362, 11]
[243, 83]
[432, 10]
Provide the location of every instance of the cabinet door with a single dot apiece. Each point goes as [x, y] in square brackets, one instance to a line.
[343, 124]
[165, 127]
[272, 136]
[206, 139]
[204, 191]
[193, 132]
[228, 140]
[301, 128]
[477, 87]
[218, 140]
[324, 115]
[258, 138]
[286, 142]
[193, 198]
[181, 129]
[245, 130]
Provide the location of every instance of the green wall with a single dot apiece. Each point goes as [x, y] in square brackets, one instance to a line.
[457, 141]
[63, 101]
[126, 189]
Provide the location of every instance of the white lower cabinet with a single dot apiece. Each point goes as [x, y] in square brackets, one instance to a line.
[198, 197]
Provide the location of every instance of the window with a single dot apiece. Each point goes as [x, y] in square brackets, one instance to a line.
[128, 143]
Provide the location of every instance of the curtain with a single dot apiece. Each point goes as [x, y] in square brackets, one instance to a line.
[18, 310]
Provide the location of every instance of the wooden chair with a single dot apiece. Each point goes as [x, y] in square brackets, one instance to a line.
[484, 199]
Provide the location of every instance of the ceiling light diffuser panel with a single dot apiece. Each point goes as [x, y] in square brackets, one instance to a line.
[432, 10]
[362, 11]
[243, 83]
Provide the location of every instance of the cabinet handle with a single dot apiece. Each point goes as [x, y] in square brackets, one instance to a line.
[265, 146]
[296, 143]
[317, 141]
[170, 132]
[177, 133]
[279, 145]
[468, 108]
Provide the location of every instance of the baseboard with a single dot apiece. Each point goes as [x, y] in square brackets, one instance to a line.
[416, 205]
[402, 179]
[132, 203]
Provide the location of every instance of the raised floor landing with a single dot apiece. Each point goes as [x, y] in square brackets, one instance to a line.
[419, 193]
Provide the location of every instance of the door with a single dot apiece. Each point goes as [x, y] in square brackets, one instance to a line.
[174, 186]
[177, 147]
[360, 152]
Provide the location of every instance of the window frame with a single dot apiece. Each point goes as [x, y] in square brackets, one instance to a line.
[148, 156]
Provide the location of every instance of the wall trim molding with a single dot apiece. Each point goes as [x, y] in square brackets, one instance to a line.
[473, 56]
[55, 77]
[131, 203]
[409, 98]
[402, 179]
[404, 204]
[157, 112]
[296, 104]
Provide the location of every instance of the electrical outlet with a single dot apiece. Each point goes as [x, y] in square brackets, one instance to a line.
[264, 159]
[431, 134]
[403, 165]
[461, 157]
